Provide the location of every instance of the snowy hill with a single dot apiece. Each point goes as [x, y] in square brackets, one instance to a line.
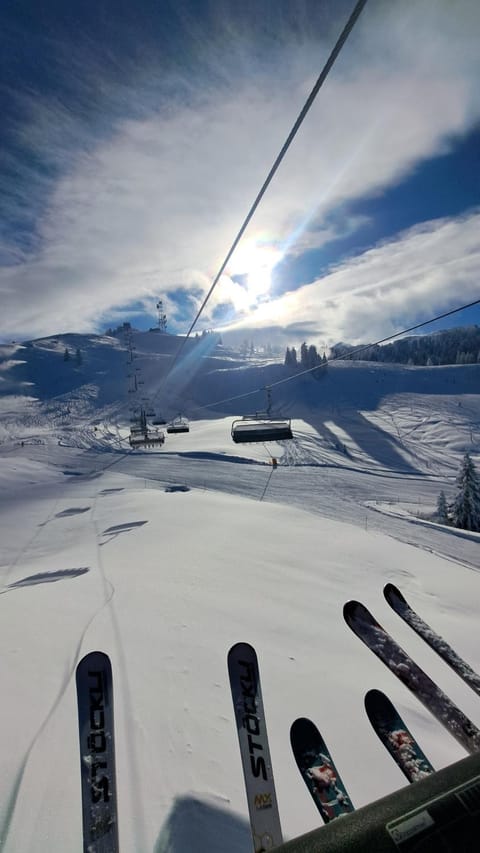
[165, 558]
[352, 414]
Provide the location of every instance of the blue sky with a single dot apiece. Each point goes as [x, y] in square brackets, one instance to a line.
[135, 138]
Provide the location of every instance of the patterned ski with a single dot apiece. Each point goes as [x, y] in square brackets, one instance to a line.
[399, 604]
[255, 754]
[396, 737]
[362, 623]
[318, 770]
[97, 754]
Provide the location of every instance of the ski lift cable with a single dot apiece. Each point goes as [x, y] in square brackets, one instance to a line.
[365, 347]
[308, 103]
[344, 357]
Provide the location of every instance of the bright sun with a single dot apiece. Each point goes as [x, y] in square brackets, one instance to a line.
[256, 264]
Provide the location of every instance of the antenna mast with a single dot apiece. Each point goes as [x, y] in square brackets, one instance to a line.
[162, 317]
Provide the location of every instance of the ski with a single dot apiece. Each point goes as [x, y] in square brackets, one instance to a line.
[318, 770]
[97, 754]
[399, 604]
[362, 623]
[255, 754]
[395, 736]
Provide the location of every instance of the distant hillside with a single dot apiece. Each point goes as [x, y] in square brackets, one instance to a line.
[453, 346]
[82, 391]
[95, 369]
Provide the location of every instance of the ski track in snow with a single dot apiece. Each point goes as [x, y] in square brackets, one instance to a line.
[70, 667]
[134, 771]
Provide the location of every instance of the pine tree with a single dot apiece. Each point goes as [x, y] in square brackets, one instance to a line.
[78, 357]
[313, 358]
[304, 355]
[288, 358]
[66, 354]
[293, 357]
[466, 506]
[442, 509]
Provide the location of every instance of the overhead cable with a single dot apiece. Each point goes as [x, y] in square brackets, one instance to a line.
[365, 347]
[308, 103]
[344, 357]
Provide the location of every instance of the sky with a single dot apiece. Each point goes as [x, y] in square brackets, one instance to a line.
[134, 139]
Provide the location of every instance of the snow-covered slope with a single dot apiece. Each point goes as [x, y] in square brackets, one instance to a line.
[166, 558]
[353, 414]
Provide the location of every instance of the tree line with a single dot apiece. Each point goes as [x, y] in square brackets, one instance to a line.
[451, 346]
[309, 357]
[464, 509]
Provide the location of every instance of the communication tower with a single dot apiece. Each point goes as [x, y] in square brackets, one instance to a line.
[162, 317]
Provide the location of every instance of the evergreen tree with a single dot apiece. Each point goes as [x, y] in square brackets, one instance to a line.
[288, 358]
[66, 354]
[313, 358]
[293, 357]
[78, 357]
[442, 509]
[304, 355]
[466, 506]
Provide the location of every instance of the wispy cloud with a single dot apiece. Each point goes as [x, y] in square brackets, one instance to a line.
[149, 199]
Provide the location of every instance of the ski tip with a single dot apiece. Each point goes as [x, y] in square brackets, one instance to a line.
[95, 658]
[302, 731]
[351, 610]
[348, 609]
[360, 620]
[374, 695]
[393, 594]
[300, 723]
[242, 649]
[376, 701]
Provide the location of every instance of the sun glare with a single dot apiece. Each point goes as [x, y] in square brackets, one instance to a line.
[256, 263]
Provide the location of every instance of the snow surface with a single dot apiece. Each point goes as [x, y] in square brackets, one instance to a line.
[165, 558]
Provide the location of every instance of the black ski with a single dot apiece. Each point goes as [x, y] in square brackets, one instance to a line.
[396, 737]
[252, 735]
[318, 770]
[399, 604]
[362, 623]
[97, 754]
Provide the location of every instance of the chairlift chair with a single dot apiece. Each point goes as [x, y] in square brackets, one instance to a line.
[149, 438]
[154, 438]
[136, 439]
[260, 428]
[178, 425]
